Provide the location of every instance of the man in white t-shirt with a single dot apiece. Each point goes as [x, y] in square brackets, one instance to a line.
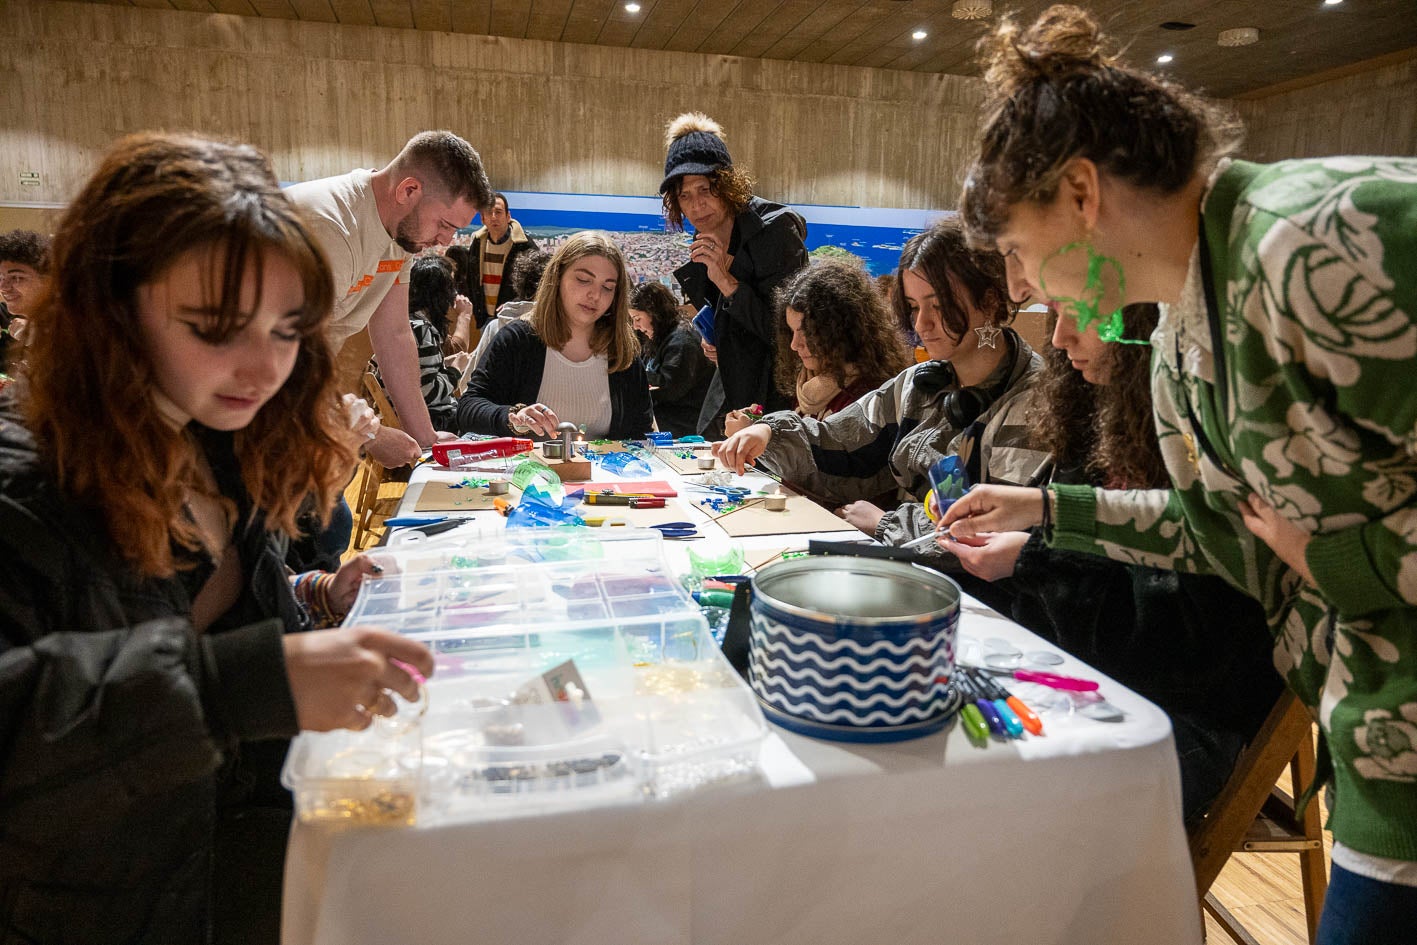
[368, 223]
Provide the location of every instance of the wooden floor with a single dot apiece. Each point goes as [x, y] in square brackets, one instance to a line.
[1262, 891]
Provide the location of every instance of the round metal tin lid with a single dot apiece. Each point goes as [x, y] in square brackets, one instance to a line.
[865, 591]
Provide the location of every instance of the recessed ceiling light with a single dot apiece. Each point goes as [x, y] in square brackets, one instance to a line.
[1241, 36]
[1332, 3]
[632, 8]
[971, 9]
[1164, 58]
[918, 35]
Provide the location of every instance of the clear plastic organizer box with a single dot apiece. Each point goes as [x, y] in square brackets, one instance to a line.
[571, 668]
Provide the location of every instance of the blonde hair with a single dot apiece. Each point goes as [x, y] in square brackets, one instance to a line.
[614, 333]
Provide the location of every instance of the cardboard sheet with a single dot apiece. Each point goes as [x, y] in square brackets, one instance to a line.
[801, 516]
[672, 458]
[673, 511]
[757, 558]
[441, 496]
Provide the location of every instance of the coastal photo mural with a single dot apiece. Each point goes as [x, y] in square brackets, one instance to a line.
[873, 235]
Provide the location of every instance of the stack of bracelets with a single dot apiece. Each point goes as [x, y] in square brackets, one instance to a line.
[312, 589]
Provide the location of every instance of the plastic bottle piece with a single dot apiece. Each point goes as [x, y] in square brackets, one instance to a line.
[948, 479]
[534, 473]
[536, 515]
[625, 464]
[709, 563]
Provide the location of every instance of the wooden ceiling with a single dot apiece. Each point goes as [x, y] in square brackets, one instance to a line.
[1298, 38]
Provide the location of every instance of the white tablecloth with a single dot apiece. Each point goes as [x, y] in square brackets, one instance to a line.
[1074, 837]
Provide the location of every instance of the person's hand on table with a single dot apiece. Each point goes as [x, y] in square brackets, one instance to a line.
[1285, 539]
[342, 678]
[989, 556]
[392, 448]
[743, 447]
[985, 509]
[443, 436]
[710, 351]
[863, 515]
[534, 418]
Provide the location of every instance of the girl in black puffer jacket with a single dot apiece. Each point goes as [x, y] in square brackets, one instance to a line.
[176, 416]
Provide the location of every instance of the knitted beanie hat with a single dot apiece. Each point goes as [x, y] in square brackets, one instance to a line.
[695, 143]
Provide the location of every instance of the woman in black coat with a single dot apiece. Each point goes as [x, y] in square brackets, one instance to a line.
[744, 247]
[678, 372]
[176, 419]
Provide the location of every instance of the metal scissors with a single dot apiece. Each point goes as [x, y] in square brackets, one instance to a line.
[677, 529]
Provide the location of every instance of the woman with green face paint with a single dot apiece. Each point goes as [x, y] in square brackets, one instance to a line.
[1281, 375]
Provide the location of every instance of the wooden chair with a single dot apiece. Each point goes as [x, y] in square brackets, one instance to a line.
[369, 508]
[1253, 815]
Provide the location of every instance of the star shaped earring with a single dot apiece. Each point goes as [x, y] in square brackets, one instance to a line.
[988, 335]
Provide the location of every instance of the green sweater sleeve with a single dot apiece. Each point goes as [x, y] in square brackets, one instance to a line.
[1354, 338]
[1149, 527]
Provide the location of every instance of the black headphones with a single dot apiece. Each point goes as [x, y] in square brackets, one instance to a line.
[961, 405]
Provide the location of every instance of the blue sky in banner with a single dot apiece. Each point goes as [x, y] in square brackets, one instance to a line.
[875, 234]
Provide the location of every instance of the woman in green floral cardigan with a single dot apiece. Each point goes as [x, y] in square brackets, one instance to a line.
[1283, 374]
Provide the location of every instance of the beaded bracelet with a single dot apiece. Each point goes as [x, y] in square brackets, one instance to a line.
[312, 589]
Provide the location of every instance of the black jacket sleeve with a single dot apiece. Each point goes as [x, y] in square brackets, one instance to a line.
[772, 256]
[680, 367]
[92, 719]
[512, 364]
[632, 411]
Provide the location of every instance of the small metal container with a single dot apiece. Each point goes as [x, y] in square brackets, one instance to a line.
[855, 649]
[553, 449]
[497, 487]
[705, 462]
[775, 503]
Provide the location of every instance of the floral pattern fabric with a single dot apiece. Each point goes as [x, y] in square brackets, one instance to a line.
[1311, 403]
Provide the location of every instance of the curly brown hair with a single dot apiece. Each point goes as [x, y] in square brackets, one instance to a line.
[656, 301]
[943, 257]
[1105, 431]
[89, 390]
[730, 184]
[845, 322]
[27, 248]
[1052, 95]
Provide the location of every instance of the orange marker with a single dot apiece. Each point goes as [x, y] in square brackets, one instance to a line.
[1025, 715]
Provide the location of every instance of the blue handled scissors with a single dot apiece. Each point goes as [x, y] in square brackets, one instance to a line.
[677, 529]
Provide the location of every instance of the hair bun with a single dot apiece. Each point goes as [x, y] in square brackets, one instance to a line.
[690, 122]
[1065, 40]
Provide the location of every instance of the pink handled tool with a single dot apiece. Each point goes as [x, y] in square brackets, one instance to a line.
[1056, 681]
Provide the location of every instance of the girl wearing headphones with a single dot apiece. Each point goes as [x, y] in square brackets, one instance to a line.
[976, 391]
